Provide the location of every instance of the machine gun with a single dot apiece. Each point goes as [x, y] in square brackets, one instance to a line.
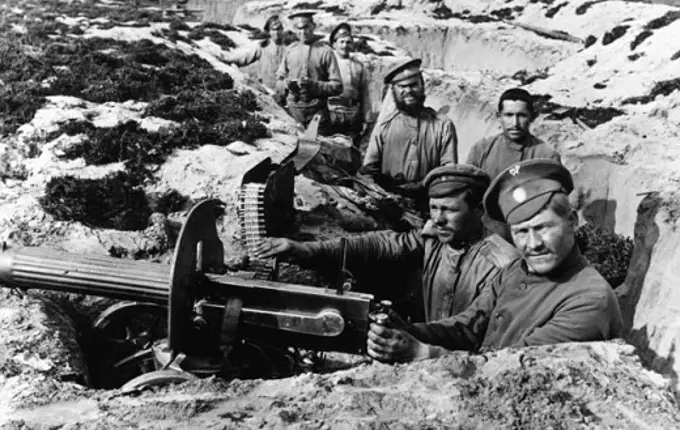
[208, 311]
[192, 318]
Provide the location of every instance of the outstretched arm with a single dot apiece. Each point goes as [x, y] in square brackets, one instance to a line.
[362, 248]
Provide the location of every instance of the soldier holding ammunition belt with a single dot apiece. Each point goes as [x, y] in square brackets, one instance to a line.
[551, 295]
[458, 263]
[308, 74]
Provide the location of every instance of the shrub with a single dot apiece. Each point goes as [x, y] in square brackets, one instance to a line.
[614, 34]
[590, 40]
[115, 201]
[639, 39]
[585, 6]
[663, 88]
[609, 253]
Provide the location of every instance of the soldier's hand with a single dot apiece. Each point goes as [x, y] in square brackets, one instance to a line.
[307, 85]
[273, 246]
[391, 345]
[293, 86]
[410, 189]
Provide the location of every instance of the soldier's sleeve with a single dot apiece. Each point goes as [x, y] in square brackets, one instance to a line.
[587, 316]
[282, 71]
[464, 331]
[475, 155]
[282, 74]
[449, 147]
[375, 147]
[366, 109]
[371, 247]
[242, 59]
[333, 86]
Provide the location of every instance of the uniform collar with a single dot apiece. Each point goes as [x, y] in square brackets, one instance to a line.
[526, 142]
[430, 230]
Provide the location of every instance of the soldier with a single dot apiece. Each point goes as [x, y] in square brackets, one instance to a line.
[516, 143]
[267, 57]
[350, 112]
[457, 262]
[412, 140]
[308, 74]
[549, 296]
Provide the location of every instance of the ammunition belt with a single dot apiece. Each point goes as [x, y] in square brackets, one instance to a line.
[253, 228]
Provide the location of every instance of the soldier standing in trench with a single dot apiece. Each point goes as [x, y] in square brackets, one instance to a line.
[308, 74]
[458, 263]
[515, 143]
[263, 62]
[350, 112]
[412, 140]
[551, 295]
[269, 55]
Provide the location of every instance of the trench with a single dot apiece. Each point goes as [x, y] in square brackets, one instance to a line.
[468, 69]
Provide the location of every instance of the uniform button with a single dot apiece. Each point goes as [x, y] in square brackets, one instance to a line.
[523, 286]
[499, 316]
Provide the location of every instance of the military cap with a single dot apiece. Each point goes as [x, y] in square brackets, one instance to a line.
[302, 14]
[445, 180]
[342, 29]
[523, 189]
[403, 71]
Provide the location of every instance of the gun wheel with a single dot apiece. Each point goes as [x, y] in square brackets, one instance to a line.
[158, 378]
[122, 337]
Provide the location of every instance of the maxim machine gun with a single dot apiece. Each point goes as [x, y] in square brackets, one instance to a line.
[215, 322]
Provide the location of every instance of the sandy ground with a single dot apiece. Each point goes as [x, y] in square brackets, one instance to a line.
[598, 385]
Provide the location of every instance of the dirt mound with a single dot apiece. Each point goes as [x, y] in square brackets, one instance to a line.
[567, 386]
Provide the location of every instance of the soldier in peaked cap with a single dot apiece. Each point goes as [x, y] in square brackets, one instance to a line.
[350, 112]
[263, 62]
[549, 296]
[457, 262]
[308, 74]
[516, 112]
[412, 140]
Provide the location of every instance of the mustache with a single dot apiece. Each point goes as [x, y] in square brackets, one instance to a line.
[538, 254]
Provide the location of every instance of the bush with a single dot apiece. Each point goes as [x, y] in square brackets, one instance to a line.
[609, 253]
[115, 201]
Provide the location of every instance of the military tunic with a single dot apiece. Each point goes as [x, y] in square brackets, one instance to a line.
[315, 61]
[412, 146]
[574, 303]
[267, 60]
[451, 279]
[351, 109]
[495, 154]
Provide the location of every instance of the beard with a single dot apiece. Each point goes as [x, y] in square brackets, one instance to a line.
[410, 109]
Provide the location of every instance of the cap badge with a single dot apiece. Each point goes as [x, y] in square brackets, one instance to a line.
[520, 195]
[514, 171]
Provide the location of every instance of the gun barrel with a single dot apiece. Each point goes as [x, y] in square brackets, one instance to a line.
[85, 274]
